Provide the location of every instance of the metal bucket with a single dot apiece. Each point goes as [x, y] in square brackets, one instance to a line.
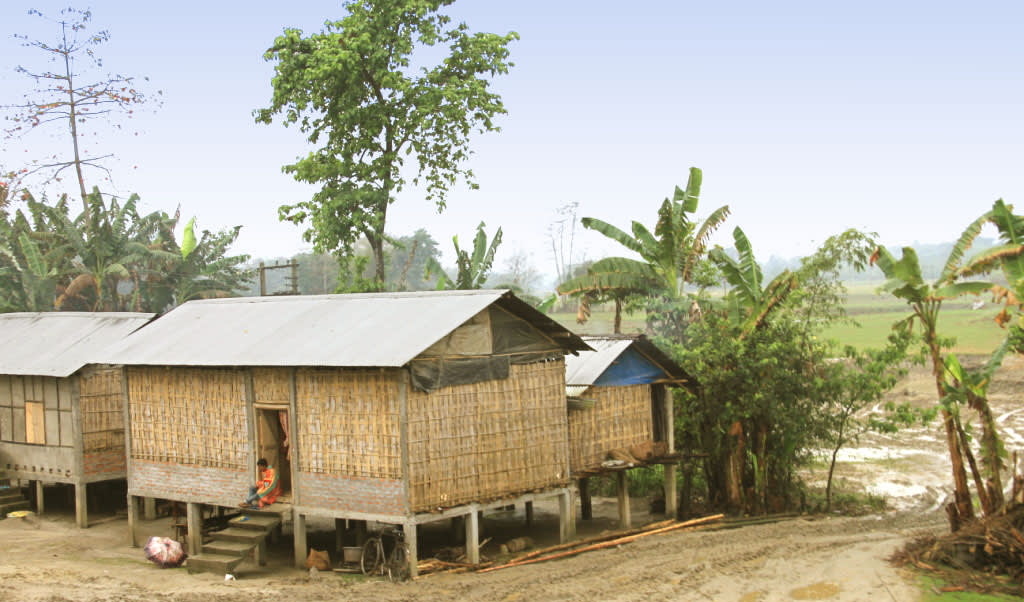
[351, 553]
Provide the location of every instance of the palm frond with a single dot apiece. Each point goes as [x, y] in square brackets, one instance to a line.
[963, 244]
[612, 232]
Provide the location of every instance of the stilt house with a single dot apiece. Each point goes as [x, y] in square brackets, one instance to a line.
[620, 411]
[61, 417]
[393, 407]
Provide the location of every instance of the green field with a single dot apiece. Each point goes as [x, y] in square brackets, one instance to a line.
[975, 330]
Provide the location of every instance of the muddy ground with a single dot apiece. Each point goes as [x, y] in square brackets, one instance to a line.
[818, 557]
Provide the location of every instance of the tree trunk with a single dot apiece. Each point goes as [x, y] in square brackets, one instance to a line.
[734, 473]
[618, 316]
[990, 449]
[986, 506]
[961, 491]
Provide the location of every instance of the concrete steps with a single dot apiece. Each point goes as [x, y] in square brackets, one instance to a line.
[229, 547]
[11, 500]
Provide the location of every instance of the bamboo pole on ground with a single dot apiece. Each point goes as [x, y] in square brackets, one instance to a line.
[607, 544]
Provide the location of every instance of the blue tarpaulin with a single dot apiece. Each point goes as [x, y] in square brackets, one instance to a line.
[630, 368]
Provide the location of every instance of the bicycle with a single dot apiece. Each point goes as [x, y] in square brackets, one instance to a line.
[394, 565]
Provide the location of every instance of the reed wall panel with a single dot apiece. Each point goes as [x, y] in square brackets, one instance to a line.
[348, 422]
[488, 440]
[190, 416]
[619, 418]
[101, 396]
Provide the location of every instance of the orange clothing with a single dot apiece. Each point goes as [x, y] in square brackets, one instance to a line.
[268, 487]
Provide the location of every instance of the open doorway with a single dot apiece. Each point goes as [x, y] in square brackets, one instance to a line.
[272, 428]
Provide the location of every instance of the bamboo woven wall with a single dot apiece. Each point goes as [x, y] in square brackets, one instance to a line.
[192, 416]
[488, 440]
[272, 385]
[101, 398]
[347, 422]
[620, 417]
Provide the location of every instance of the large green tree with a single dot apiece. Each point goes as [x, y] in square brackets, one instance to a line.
[367, 93]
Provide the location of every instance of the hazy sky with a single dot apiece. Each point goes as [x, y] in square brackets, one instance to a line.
[903, 118]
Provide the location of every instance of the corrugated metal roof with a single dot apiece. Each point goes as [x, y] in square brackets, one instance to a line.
[356, 330]
[60, 343]
[587, 367]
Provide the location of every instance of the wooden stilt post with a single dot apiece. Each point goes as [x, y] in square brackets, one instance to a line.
[149, 508]
[671, 470]
[586, 508]
[339, 535]
[40, 505]
[194, 519]
[622, 487]
[472, 536]
[410, 542]
[299, 527]
[564, 516]
[529, 514]
[81, 505]
[133, 519]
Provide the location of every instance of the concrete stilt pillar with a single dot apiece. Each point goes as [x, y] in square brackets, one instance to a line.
[133, 519]
[194, 519]
[40, 505]
[622, 487]
[671, 499]
[411, 544]
[360, 532]
[81, 505]
[473, 537]
[564, 516]
[149, 508]
[299, 528]
[529, 514]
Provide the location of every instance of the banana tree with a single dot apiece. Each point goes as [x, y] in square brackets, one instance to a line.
[751, 304]
[904, 281]
[473, 269]
[669, 256]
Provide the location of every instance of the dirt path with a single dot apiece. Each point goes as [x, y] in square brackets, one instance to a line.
[837, 559]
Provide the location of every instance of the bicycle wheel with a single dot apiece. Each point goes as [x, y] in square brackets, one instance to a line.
[398, 563]
[372, 558]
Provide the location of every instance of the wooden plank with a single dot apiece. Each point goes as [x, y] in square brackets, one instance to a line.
[5, 390]
[51, 423]
[67, 429]
[35, 423]
[77, 437]
[18, 391]
[37, 389]
[250, 418]
[6, 424]
[64, 393]
[19, 424]
[50, 396]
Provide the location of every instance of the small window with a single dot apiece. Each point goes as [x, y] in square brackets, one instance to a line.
[35, 426]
